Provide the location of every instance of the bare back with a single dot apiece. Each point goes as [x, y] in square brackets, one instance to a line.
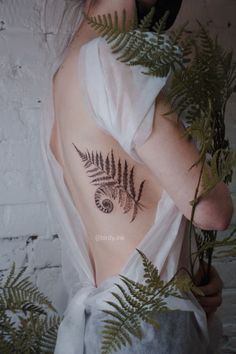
[113, 229]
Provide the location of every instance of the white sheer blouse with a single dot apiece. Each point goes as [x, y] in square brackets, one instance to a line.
[122, 104]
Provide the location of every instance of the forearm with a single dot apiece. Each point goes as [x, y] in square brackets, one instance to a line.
[170, 157]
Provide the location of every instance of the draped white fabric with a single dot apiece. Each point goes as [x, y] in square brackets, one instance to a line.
[123, 99]
[122, 103]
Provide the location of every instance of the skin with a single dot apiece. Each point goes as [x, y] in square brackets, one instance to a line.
[175, 156]
[213, 291]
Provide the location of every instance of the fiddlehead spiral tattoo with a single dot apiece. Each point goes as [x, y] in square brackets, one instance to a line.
[114, 181]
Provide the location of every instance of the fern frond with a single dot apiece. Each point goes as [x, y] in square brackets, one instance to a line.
[205, 244]
[146, 22]
[205, 77]
[49, 335]
[108, 26]
[137, 46]
[159, 27]
[32, 329]
[221, 165]
[151, 274]
[137, 302]
[11, 275]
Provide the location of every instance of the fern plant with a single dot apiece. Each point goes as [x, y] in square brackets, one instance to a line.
[203, 78]
[140, 301]
[28, 320]
[200, 94]
[136, 45]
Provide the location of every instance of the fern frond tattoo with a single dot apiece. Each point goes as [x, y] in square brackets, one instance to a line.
[114, 181]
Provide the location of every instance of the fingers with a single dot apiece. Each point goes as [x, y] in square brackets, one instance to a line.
[210, 304]
[214, 286]
[210, 301]
[210, 310]
[213, 292]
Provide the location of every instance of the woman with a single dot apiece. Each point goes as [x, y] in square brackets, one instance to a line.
[108, 125]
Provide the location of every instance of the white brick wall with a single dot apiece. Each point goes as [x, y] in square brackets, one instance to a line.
[27, 232]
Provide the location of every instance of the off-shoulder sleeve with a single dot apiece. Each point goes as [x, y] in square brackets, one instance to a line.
[121, 98]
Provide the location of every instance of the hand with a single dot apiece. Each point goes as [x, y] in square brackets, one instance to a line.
[213, 292]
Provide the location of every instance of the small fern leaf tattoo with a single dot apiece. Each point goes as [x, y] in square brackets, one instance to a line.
[135, 211]
[113, 182]
[119, 172]
[131, 183]
[125, 176]
[113, 164]
[140, 191]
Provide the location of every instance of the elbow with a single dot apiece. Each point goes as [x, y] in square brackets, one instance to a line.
[215, 217]
[223, 222]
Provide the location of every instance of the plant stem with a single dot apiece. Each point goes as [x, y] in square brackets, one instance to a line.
[195, 202]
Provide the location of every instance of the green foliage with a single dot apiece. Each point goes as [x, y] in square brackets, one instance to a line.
[222, 248]
[199, 94]
[109, 27]
[210, 77]
[139, 302]
[220, 169]
[154, 51]
[28, 320]
[208, 247]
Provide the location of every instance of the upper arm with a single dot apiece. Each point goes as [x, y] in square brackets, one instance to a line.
[120, 97]
[170, 156]
[122, 101]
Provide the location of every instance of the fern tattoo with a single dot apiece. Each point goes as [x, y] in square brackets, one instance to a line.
[114, 181]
